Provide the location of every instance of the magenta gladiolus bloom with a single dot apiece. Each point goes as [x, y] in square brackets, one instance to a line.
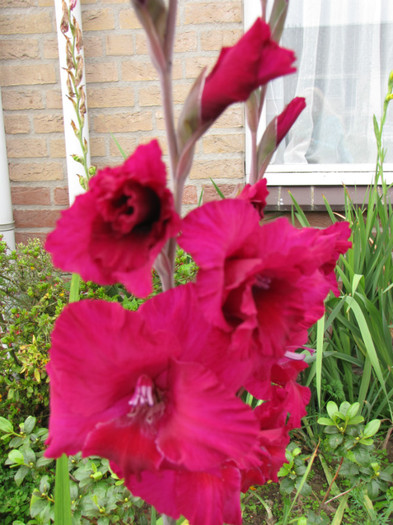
[265, 282]
[287, 118]
[114, 231]
[150, 396]
[241, 69]
[256, 194]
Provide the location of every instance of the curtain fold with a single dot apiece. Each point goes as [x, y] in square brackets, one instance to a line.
[345, 53]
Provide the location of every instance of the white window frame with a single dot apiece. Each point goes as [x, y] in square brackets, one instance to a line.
[310, 174]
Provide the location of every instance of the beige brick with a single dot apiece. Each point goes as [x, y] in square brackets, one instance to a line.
[48, 123]
[88, 2]
[51, 48]
[46, 3]
[36, 218]
[228, 190]
[18, 148]
[19, 49]
[195, 65]
[121, 122]
[141, 69]
[190, 195]
[149, 96]
[117, 1]
[127, 144]
[213, 12]
[53, 99]
[97, 147]
[98, 19]
[141, 45]
[110, 97]
[16, 123]
[36, 171]
[159, 118]
[233, 117]
[15, 100]
[27, 195]
[137, 69]
[128, 19]
[60, 196]
[186, 41]
[102, 72]
[29, 23]
[215, 40]
[17, 3]
[218, 169]
[27, 75]
[223, 143]
[92, 46]
[118, 45]
[57, 148]
[181, 91]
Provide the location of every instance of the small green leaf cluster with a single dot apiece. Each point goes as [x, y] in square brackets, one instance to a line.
[97, 494]
[293, 471]
[351, 440]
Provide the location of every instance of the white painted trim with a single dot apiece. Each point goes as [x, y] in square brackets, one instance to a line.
[71, 142]
[7, 226]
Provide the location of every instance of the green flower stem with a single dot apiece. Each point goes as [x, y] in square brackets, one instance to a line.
[62, 480]
[166, 520]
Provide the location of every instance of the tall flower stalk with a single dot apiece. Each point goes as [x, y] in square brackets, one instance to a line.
[159, 391]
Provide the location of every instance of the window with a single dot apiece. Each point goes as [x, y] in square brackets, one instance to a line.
[344, 52]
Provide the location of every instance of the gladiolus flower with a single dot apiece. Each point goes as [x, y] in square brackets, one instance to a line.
[265, 282]
[149, 396]
[114, 231]
[256, 194]
[252, 62]
[287, 118]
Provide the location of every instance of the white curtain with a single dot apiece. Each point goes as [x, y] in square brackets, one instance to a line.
[344, 52]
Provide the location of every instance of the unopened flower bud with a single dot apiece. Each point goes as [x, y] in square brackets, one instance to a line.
[69, 57]
[71, 93]
[82, 107]
[73, 4]
[78, 37]
[79, 70]
[64, 24]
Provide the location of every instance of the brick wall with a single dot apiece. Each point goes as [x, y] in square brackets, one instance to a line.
[122, 95]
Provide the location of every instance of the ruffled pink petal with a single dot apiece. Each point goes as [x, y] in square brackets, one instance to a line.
[216, 234]
[115, 231]
[128, 443]
[96, 359]
[205, 424]
[204, 498]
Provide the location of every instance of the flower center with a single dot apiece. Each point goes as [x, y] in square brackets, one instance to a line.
[263, 282]
[145, 402]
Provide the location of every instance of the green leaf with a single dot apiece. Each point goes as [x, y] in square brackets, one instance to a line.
[20, 474]
[353, 410]
[62, 492]
[29, 424]
[5, 425]
[38, 505]
[356, 420]
[332, 410]
[219, 192]
[325, 421]
[15, 457]
[371, 428]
